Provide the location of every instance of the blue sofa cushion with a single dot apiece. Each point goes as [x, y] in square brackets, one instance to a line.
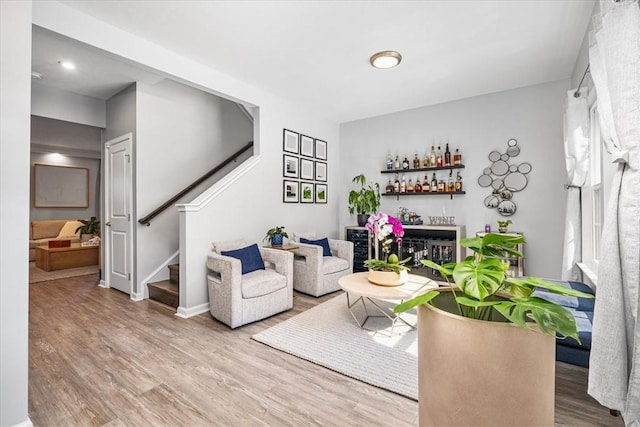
[326, 251]
[580, 304]
[584, 323]
[249, 257]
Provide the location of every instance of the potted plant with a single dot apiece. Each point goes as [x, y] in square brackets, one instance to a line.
[275, 235]
[486, 347]
[89, 228]
[364, 201]
[503, 226]
[388, 271]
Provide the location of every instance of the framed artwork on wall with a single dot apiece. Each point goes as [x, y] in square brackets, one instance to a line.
[321, 149]
[321, 193]
[306, 169]
[290, 191]
[290, 166]
[60, 186]
[306, 192]
[290, 142]
[321, 171]
[306, 146]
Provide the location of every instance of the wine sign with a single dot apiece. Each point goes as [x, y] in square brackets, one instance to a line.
[442, 220]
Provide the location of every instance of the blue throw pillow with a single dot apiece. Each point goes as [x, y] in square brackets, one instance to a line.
[326, 251]
[249, 257]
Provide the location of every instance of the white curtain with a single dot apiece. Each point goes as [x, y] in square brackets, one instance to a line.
[614, 55]
[576, 151]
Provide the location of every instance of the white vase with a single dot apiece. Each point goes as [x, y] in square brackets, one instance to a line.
[388, 278]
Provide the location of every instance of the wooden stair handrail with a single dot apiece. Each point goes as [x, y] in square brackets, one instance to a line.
[147, 219]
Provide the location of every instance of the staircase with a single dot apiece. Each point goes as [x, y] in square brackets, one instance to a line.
[167, 291]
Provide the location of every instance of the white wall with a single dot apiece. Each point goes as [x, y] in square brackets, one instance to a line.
[60, 104]
[68, 213]
[533, 115]
[15, 86]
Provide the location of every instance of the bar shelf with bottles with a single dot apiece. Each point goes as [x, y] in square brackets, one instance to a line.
[434, 161]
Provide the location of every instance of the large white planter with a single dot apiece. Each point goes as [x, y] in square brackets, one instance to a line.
[478, 373]
[388, 278]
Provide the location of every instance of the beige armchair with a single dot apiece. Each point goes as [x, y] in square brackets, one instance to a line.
[318, 275]
[237, 299]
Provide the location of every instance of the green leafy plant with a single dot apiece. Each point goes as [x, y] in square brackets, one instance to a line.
[306, 193]
[503, 225]
[366, 200]
[483, 289]
[273, 232]
[89, 226]
[392, 263]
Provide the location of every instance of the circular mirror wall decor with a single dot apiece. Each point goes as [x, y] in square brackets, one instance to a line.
[504, 178]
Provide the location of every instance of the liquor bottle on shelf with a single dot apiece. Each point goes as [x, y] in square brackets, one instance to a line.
[434, 184]
[405, 164]
[432, 158]
[439, 157]
[458, 185]
[389, 163]
[457, 157]
[425, 160]
[447, 156]
[426, 185]
[403, 185]
[396, 163]
[416, 162]
[450, 184]
[441, 186]
[396, 184]
[389, 188]
[410, 186]
[417, 187]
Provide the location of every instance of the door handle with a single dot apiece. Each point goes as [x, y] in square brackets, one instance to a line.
[108, 224]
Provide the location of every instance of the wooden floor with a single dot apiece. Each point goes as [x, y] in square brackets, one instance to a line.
[97, 358]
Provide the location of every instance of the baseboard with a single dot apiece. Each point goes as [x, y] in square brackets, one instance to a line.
[25, 423]
[103, 284]
[185, 313]
[137, 296]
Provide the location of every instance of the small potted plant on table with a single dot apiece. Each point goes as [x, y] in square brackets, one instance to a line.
[89, 228]
[275, 235]
[389, 271]
[364, 201]
[503, 226]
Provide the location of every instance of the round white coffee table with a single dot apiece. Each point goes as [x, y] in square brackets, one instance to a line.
[356, 285]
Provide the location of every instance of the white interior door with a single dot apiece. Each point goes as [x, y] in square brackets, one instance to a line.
[118, 203]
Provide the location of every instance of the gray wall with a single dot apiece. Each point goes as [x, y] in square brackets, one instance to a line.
[15, 83]
[533, 115]
[68, 213]
[60, 104]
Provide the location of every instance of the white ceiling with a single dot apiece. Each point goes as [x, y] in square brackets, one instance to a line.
[316, 53]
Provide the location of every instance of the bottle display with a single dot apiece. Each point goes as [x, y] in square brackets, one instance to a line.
[439, 157]
[396, 184]
[396, 163]
[405, 164]
[425, 160]
[434, 184]
[416, 162]
[426, 185]
[447, 156]
[432, 158]
[389, 163]
[403, 185]
[450, 184]
[457, 157]
[458, 185]
[410, 186]
[417, 187]
[389, 188]
[441, 187]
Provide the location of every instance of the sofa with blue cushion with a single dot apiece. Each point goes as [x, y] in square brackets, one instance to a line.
[567, 349]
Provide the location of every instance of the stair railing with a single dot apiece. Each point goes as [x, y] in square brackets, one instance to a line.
[232, 158]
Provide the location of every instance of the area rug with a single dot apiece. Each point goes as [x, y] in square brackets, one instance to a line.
[327, 335]
[38, 275]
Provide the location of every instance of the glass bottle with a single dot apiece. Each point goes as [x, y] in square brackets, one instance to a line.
[426, 185]
[403, 185]
[396, 184]
[389, 163]
[405, 164]
[396, 163]
[447, 156]
[432, 158]
[439, 157]
[417, 187]
[457, 157]
[450, 184]
[458, 185]
[434, 184]
[416, 162]
[441, 186]
[425, 160]
[389, 189]
[410, 186]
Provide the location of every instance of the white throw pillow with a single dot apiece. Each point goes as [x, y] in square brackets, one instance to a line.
[69, 229]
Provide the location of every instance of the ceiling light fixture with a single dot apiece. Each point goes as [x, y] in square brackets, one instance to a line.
[36, 75]
[385, 59]
[67, 65]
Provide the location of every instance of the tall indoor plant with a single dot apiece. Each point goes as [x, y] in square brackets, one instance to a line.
[486, 345]
[364, 201]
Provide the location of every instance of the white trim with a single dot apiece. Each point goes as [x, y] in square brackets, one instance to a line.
[69, 151]
[588, 271]
[219, 187]
[185, 313]
[137, 296]
[162, 266]
[103, 284]
[25, 423]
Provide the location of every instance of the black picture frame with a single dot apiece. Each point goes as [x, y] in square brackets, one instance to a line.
[307, 192]
[321, 149]
[306, 146]
[290, 191]
[290, 166]
[290, 141]
[307, 170]
[321, 193]
[320, 171]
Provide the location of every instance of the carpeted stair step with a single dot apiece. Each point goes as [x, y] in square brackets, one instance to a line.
[174, 273]
[165, 292]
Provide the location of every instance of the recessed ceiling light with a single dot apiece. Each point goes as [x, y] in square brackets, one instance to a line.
[36, 75]
[67, 65]
[385, 59]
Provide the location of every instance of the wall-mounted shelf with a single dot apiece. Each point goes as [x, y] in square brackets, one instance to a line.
[424, 193]
[422, 169]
